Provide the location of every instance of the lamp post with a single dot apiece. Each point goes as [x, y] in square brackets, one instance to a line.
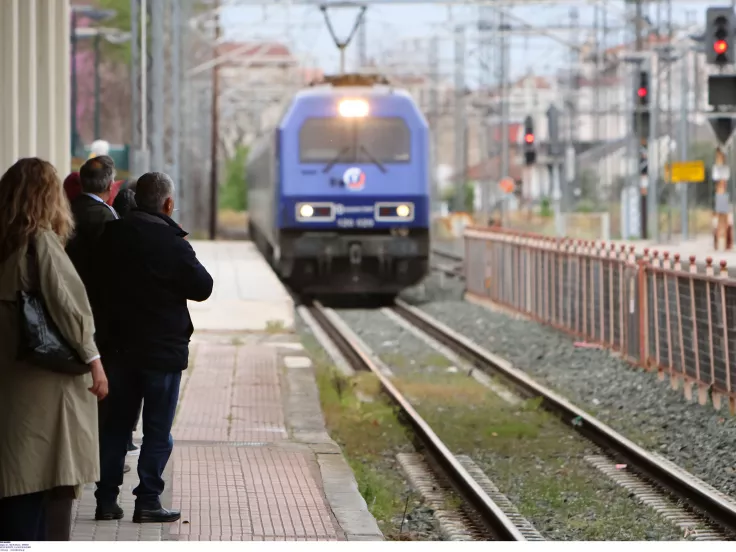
[97, 16]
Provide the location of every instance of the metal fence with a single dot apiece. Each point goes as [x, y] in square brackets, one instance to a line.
[657, 314]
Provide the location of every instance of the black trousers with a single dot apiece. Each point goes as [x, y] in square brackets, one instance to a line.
[23, 517]
[59, 519]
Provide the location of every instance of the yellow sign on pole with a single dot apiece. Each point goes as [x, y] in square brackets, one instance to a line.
[685, 171]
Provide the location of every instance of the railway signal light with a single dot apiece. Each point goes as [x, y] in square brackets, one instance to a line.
[720, 24]
[530, 151]
[641, 113]
[642, 92]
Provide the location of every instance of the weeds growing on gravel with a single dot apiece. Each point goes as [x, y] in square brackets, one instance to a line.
[533, 458]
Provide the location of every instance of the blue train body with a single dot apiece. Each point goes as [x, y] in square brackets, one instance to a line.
[339, 192]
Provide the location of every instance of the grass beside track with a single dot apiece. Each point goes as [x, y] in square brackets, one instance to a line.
[530, 455]
[365, 425]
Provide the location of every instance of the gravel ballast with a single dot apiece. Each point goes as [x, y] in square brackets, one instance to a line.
[697, 438]
[536, 461]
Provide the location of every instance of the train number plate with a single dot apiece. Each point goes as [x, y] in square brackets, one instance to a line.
[356, 223]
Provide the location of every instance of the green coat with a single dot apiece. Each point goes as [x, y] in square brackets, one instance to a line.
[48, 421]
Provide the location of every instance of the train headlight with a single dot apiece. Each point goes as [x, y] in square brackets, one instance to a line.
[306, 211]
[403, 210]
[353, 108]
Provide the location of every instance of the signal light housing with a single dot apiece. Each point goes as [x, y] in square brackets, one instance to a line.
[530, 152]
[720, 24]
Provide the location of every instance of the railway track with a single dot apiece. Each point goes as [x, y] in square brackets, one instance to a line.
[447, 263]
[698, 497]
[699, 501]
[489, 514]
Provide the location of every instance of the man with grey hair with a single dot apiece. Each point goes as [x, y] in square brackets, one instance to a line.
[91, 212]
[150, 272]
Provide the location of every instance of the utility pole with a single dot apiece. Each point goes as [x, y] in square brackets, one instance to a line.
[485, 27]
[135, 107]
[571, 154]
[176, 57]
[434, 110]
[503, 87]
[461, 168]
[362, 44]
[684, 97]
[157, 72]
[214, 184]
[642, 143]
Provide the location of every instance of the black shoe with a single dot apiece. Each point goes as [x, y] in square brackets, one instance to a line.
[108, 512]
[133, 450]
[126, 468]
[159, 515]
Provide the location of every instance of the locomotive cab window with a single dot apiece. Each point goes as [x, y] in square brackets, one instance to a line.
[355, 140]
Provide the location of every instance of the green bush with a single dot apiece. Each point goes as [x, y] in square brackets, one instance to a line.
[234, 188]
[545, 208]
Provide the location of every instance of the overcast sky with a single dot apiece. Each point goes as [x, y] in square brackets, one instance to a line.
[304, 29]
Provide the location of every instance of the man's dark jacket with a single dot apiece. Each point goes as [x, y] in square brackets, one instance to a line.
[90, 217]
[149, 271]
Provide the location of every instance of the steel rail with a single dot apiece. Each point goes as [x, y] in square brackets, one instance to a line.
[447, 255]
[502, 528]
[683, 485]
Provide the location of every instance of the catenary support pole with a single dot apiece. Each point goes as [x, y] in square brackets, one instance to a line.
[502, 70]
[177, 84]
[135, 108]
[157, 71]
[684, 96]
[214, 184]
[460, 122]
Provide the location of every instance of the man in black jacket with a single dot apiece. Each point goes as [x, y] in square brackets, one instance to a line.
[149, 271]
[91, 213]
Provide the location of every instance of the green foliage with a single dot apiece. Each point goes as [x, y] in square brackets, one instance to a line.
[234, 188]
[585, 206]
[116, 52]
[545, 208]
[450, 197]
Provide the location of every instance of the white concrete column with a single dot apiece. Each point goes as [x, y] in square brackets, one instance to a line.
[45, 79]
[9, 83]
[27, 89]
[62, 157]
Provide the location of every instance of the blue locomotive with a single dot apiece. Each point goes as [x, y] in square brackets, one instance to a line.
[339, 191]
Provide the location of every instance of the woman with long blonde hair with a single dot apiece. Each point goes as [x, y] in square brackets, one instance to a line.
[48, 420]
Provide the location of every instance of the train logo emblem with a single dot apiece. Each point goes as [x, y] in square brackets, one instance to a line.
[354, 179]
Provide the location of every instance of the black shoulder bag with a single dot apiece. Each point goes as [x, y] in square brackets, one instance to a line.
[41, 342]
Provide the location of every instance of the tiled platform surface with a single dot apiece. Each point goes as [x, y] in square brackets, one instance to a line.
[247, 296]
[251, 460]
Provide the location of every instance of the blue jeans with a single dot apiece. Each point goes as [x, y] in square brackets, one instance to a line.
[23, 517]
[159, 392]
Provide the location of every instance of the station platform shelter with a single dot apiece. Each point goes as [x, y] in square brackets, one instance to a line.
[35, 86]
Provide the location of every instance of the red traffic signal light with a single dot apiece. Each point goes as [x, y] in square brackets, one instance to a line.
[642, 92]
[529, 138]
[720, 47]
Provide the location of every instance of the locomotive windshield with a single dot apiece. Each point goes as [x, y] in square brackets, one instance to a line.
[364, 140]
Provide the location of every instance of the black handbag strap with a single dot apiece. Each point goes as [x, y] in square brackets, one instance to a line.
[32, 265]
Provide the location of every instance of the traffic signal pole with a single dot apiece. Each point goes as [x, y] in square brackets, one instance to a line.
[720, 27]
[721, 189]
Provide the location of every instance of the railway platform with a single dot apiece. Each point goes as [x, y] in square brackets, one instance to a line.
[252, 460]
